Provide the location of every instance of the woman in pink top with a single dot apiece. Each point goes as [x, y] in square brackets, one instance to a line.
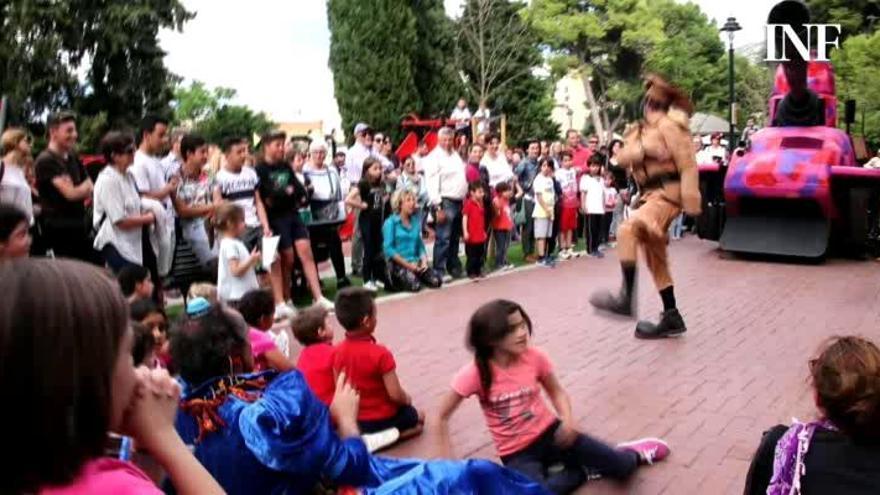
[66, 364]
[507, 376]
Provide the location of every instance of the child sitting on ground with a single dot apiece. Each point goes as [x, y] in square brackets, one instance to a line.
[15, 238]
[145, 312]
[371, 369]
[135, 282]
[258, 309]
[235, 272]
[312, 329]
[839, 452]
[473, 228]
[508, 375]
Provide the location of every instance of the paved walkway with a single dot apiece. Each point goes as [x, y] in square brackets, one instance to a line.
[740, 368]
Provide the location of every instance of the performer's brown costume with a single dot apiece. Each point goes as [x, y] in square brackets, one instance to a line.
[660, 156]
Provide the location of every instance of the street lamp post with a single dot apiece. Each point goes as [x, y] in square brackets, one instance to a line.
[730, 27]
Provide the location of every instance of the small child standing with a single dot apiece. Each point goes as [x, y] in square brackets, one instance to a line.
[369, 199]
[371, 369]
[257, 307]
[545, 204]
[313, 330]
[473, 228]
[508, 375]
[610, 205]
[135, 282]
[15, 237]
[235, 271]
[567, 178]
[502, 224]
[593, 205]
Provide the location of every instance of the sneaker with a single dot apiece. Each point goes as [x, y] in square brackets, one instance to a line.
[508, 267]
[379, 284]
[326, 303]
[371, 286]
[649, 450]
[447, 278]
[342, 283]
[283, 311]
[381, 439]
[564, 254]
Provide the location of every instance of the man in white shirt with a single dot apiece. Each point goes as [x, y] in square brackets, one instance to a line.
[714, 151]
[483, 116]
[461, 117]
[147, 169]
[447, 188]
[354, 168]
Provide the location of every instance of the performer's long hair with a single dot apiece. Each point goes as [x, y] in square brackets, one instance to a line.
[661, 96]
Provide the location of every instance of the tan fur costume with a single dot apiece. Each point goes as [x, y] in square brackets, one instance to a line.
[660, 155]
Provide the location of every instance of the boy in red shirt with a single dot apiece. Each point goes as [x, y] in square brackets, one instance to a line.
[502, 224]
[371, 369]
[473, 227]
[313, 330]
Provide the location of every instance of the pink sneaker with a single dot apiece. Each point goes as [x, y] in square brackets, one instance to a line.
[650, 450]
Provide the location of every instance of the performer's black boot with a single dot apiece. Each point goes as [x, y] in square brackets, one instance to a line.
[623, 303]
[671, 324]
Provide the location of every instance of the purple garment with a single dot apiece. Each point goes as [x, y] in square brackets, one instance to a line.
[788, 460]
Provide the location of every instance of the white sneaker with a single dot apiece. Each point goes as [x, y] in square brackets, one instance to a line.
[447, 278]
[381, 439]
[326, 303]
[283, 311]
[371, 286]
[379, 284]
[564, 255]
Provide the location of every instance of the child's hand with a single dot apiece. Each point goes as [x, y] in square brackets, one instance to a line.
[566, 435]
[344, 408]
[150, 417]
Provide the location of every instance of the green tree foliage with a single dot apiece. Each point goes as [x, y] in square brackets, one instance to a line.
[45, 46]
[497, 52]
[434, 70]
[854, 16]
[857, 67]
[615, 42]
[372, 44]
[210, 113]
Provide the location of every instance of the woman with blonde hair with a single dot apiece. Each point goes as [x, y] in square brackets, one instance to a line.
[15, 189]
[403, 247]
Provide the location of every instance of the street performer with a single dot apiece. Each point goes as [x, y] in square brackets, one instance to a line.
[660, 156]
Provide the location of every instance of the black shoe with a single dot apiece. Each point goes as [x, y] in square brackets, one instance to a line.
[671, 324]
[456, 274]
[342, 283]
[620, 304]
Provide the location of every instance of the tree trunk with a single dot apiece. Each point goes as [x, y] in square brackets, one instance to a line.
[595, 111]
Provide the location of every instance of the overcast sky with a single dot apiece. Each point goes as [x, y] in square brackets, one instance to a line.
[274, 52]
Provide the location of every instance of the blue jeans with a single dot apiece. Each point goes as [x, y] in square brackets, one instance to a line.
[448, 236]
[502, 244]
[587, 458]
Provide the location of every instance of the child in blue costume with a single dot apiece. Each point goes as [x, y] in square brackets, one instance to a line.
[268, 433]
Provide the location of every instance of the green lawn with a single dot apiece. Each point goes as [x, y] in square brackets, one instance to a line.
[514, 257]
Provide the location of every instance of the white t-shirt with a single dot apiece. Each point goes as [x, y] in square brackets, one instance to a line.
[15, 190]
[171, 166]
[543, 187]
[594, 195]
[230, 287]
[567, 178]
[482, 117]
[149, 175]
[326, 185]
[498, 168]
[461, 114]
[116, 198]
[241, 189]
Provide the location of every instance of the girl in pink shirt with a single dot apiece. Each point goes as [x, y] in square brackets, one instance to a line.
[508, 376]
[66, 358]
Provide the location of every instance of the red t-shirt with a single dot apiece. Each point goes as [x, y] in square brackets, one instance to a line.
[502, 220]
[365, 363]
[476, 221]
[316, 364]
[472, 172]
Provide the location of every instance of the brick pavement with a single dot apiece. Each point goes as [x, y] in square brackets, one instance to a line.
[740, 369]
